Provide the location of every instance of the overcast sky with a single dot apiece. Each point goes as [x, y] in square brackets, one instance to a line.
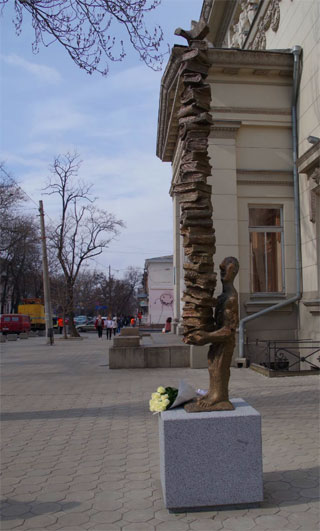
[50, 106]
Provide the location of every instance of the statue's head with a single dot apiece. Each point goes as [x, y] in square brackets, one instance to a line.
[229, 268]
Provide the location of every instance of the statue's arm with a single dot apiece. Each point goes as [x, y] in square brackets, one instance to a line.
[201, 337]
[230, 320]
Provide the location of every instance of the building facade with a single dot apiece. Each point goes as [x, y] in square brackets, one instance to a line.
[264, 150]
[159, 288]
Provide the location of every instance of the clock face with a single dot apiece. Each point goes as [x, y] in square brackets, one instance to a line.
[166, 298]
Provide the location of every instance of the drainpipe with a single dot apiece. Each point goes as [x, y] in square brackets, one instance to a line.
[296, 51]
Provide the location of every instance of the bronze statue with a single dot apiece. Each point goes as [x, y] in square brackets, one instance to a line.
[222, 341]
[194, 193]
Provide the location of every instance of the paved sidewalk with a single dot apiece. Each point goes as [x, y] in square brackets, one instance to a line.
[80, 448]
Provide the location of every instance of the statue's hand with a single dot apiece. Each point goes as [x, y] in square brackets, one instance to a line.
[198, 337]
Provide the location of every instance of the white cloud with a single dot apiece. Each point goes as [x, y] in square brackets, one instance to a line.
[57, 115]
[43, 72]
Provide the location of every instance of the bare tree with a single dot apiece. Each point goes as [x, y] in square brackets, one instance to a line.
[85, 29]
[19, 246]
[83, 231]
[119, 294]
[20, 262]
[11, 198]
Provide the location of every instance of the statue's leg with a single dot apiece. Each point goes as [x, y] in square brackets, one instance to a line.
[217, 398]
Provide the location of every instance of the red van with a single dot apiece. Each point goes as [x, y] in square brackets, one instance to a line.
[14, 323]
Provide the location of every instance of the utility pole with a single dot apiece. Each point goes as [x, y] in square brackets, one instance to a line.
[46, 287]
[110, 308]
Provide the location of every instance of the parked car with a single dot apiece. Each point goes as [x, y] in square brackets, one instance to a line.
[80, 319]
[14, 323]
[86, 327]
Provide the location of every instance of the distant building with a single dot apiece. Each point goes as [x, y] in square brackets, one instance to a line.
[265, 177]
[158, 280]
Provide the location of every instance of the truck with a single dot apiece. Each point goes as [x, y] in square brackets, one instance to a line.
[35, 309]
[14, 323]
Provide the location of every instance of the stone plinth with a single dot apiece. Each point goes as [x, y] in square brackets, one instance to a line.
[12, 337]
[131, 357]
[211, 459]
[129, 331]
[126, 341]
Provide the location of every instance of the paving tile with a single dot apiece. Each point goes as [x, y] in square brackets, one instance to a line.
[73, 519]
[79, 496]
[138, 515]
[236, 523]
[39, 522]
[139, 494]
[310, 493]
[107, 505]
[143, 526]
[106, 527]
[102, 517]
[205, 525]
[11, 524]
[172, 525]
[306, 520]
[15, 509]
[45, 507]
[129, 504]
[269, 521]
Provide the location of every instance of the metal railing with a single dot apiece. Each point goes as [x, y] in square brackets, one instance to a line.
[292, 355]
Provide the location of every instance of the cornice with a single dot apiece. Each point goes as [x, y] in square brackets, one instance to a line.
[310, 160]
[264, 177]
[256, 62]
[168, 85]
[224, 128]
[251, 110]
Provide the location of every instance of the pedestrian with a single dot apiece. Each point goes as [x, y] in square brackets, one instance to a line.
[114, 325]
[139, 317]
[99, 325]
[109, 327]
[167, 326]
[60, 325]
[132, 321]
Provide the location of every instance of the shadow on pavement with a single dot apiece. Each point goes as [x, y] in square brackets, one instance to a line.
[22, 509]
[116, 410]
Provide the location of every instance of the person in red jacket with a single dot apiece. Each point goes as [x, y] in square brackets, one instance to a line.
[99, 325]
[167, 327]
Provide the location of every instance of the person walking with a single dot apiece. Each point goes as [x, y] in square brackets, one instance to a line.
[99, 325]
[109, 327]
[115, 325]
[60, 325]
[132, 321]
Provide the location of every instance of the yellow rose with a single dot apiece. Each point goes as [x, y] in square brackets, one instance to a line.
[161, 390]
[155, 396]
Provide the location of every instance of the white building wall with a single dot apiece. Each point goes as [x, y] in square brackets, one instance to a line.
[160, 291]
[300, 25]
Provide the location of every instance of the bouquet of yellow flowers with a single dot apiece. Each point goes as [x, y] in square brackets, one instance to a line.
[162, 399]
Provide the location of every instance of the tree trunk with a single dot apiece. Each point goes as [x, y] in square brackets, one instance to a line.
[73, 332]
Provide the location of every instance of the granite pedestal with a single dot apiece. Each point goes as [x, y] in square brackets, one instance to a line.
[211, 459]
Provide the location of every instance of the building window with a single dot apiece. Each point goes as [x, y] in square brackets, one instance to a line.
[266, 249]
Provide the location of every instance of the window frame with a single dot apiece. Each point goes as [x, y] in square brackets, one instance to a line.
[265, 229]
